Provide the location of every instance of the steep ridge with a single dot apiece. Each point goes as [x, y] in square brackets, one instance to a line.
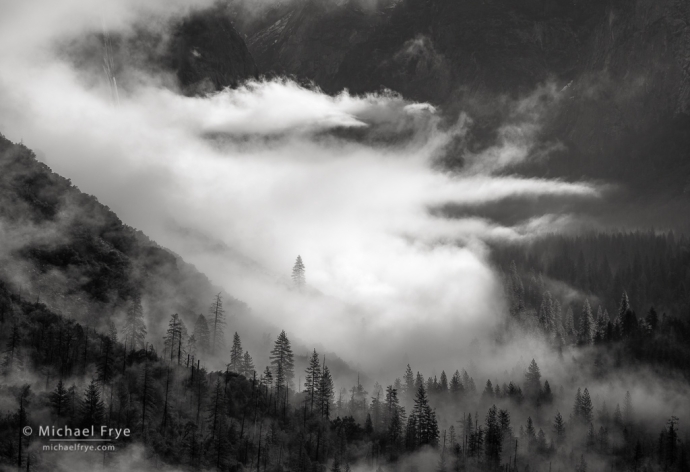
[65, 249]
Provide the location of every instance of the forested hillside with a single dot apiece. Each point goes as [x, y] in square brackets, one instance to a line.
[57, 371]
[64, 249]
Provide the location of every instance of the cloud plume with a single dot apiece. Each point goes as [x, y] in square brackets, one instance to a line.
[273, 169]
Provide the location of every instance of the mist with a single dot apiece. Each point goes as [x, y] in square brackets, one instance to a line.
[269, 171]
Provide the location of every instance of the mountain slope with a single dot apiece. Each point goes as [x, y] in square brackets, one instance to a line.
[75, 255]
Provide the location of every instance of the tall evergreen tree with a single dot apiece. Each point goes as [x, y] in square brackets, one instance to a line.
[217, 316]
[12, 359]
[408, 383]
[175, 339]
[247, 368]
[312, 379]
[283, 363]
[559, 429]
[59, 399]
[298, 274]
[533, 381]
[134, 330]
[586, 408]
[326, 394]
[92, 409]
[493, 441]
[236, 354]
[202, 335]
[587, 329]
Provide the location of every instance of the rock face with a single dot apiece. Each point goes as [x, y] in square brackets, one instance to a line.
[208, 54]
[626, 65]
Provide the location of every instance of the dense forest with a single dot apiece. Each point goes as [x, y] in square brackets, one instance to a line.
[247, 417]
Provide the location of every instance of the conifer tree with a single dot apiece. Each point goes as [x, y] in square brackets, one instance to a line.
[175, 339]
[443, 383]
[587, 326]
[488, 392]
[134, 330]
[92, 408]
[533, 381]
[408, 383]
[456, 387]
[247, 368]
[559, 429]
[298, 277]
[586, 407]
[191, 347]
[59, 399]
[236, 354]
[577, 405]
[202, 336]
[217, 316]
[12, 358]
[493, 440]
[569, 324]
[326, 394]
[312, 378]
[112, 331]
[283, 363]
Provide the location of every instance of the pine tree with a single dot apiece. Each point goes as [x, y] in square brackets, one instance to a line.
[493, 439]
[546, 316]
[326, 394]
[587, 326]
[134, 330]
[236, 354]
[533, 381]
[559, 429]
[59, 400]
[247, 368]
[408, 383]
[112, 331]
[202, 336]
[569, 324]
[456, 387]
[577, 405]
[488, 392]
[92, 408]
[191, 348]
[175, 339]
[443, 383]
[312, 378]
[217, 315]
[298, 277]
[282, 362]
[531, 433]
[12, 358]
[586, 408]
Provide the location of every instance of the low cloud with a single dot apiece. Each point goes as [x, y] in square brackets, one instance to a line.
[272, 170]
